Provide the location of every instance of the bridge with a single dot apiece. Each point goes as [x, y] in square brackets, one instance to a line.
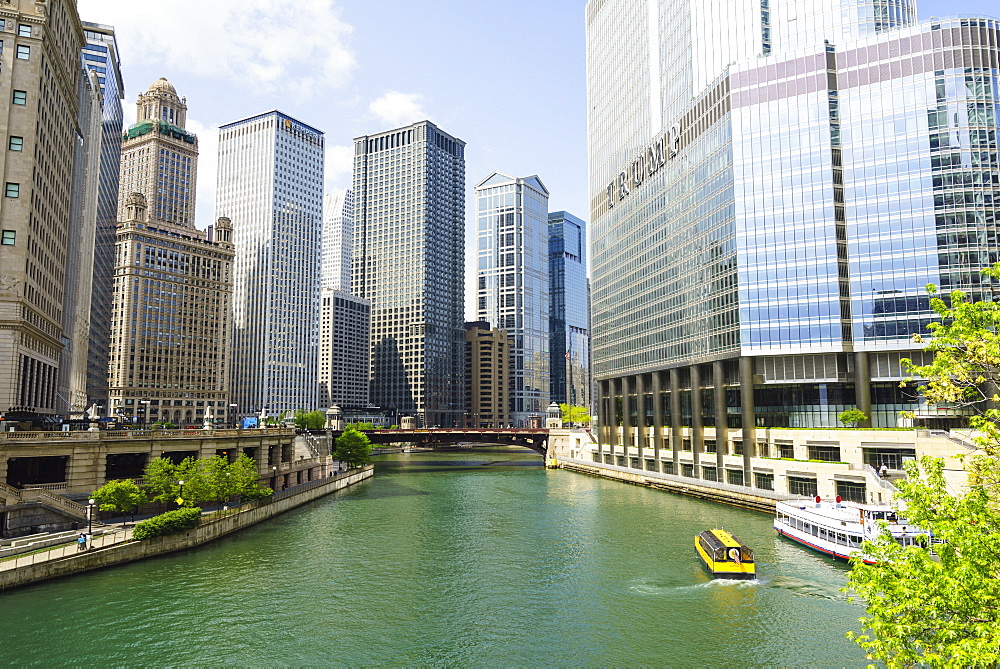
[534, 438]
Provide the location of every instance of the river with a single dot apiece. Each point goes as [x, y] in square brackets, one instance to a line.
[452, 558]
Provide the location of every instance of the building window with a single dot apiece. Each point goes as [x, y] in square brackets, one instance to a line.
[20, 97]
[801, 486]
[16, 143]
[12, 190]
[23, 51]
[851, 491]
[763, 480]
[735, 476]
[8, 237]
[24, 30]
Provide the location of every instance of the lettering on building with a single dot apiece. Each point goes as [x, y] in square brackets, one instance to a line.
[645, 165]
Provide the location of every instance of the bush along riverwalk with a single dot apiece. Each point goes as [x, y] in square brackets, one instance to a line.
[125, 546]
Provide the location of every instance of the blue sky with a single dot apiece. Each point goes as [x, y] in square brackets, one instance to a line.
[506, 77]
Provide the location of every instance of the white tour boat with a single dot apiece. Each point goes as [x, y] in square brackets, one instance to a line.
[837, 528]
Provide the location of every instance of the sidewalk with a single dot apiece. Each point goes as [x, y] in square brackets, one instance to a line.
[68, 550]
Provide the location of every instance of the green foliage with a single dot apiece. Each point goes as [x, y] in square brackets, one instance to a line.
[361, 427]
[852, 417]
[119, 496]
[946, 612]
[170, 522]
[943, 612]
[206, 480]
[164, 424]
[575, 414]
[310, 420]
[353, 447]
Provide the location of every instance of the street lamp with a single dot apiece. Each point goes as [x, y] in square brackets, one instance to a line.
[274, 478]
[145, 412]
[180, 495]
[90, 516]
[232, 412]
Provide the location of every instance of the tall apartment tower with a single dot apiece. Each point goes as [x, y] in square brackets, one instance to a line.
[39, 133]
[159, 158]
[344, 338]
[569, 311]
[338, 239]
[100, 55]
[270, 183]
[170, 343]
[409, 228]
[71, 388]
[487, 381]
[513, 284]
[771, 191]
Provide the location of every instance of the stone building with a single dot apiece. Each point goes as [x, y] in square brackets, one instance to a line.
[170, 347]
[41, 47]
[344, 329]
[160, 158]
[487, 375]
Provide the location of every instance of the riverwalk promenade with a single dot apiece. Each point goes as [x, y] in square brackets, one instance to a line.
[118, 547]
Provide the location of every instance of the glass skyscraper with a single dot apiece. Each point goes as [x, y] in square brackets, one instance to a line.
[100, 55]
[409, 235]
[338, 239]
[772, 186]
[513, 284]
[270, 184]
[569, 311]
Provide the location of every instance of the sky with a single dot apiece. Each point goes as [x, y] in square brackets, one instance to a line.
[507, 77]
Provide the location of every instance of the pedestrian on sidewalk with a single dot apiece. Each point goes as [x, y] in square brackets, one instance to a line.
[81, 543]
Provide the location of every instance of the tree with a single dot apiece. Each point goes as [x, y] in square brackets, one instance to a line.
[214, 473]
[852, 417]
[353, 447]
[574, 414]
[309, 420]
[160, 480]
[361, 427]
[245, 480]
[119, 496]
[943, 612]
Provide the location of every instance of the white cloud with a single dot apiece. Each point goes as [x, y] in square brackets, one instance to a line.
[208, 160]
[271, 45]
[339, 167]
[395, 108]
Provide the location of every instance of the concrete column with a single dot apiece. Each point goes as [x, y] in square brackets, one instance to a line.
[640, 422]
[657, 415]
[721, 422]
[676, 431]
[863, 386]
[749, 415]
[604, 436]
[697, 420]
[627, 440]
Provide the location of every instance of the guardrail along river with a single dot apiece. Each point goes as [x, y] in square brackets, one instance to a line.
[453, 558]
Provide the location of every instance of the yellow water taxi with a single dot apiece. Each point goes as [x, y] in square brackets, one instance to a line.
[725, 555]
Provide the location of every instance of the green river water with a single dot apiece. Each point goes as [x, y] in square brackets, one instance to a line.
[452, 558]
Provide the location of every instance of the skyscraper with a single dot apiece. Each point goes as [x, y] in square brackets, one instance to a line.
[40, 73]
[100, 55]
[344, 360]
[160, 158]
[170, 328]
[513, 284]
[338, 239]
[771, 188]
[487, 382]
[271, 185]
[569, 311]
[409, 228]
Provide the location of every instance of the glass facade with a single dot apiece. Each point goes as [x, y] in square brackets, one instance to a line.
[101, 56]
[513, 283]
[338, 239]
[270, 185]
[569, 311]
[780, 206]
[409, 237]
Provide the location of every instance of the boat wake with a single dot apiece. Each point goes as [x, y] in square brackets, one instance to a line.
[656, 590]
[807, 588]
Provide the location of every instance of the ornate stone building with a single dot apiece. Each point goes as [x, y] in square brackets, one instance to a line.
[170, 326]
[39, 132]
[160, 157]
